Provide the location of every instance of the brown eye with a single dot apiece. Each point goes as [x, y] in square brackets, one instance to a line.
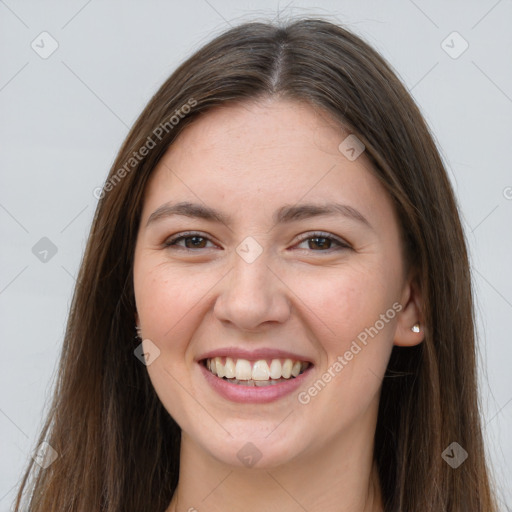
[320, 243]
[188, 241]
[323, 242]
[195, 242]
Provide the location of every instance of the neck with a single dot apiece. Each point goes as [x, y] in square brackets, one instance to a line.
[342, 476]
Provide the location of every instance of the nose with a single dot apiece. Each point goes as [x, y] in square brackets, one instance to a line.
[252, 295]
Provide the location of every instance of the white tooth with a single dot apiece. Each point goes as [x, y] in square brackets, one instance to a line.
[213, 366]
[286, 371]
[296, 368]
[220, 367]
[260, 370]
[275, 369]
[243, 370]
[229, 368]
[209, 364]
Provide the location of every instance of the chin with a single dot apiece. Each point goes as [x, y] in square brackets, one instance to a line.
[255, 450]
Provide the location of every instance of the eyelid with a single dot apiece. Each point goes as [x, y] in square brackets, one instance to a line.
[169, 241]
[341, 243]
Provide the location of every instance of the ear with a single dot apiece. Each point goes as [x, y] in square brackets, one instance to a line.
[410, 315]
[136, 319]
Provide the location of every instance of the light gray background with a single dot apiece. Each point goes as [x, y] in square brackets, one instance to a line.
[63, 119]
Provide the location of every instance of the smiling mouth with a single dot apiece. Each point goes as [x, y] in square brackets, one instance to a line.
[255, 373]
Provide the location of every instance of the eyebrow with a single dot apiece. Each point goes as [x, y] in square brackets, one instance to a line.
[284, 215]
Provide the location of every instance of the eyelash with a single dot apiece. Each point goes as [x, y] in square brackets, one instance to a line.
[342, 245]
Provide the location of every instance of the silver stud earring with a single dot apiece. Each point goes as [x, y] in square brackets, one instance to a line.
[416, 327]
[137, 332]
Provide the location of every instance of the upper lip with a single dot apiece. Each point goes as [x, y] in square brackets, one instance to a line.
[253, 355]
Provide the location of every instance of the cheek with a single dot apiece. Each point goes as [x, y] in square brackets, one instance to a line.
[166, 299]
[347, 303]
[354, 325]
[168, 304]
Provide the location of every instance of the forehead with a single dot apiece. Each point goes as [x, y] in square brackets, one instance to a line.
[272, 131]
[254, 157]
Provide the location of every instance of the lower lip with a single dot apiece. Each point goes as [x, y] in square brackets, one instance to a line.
[253, 394]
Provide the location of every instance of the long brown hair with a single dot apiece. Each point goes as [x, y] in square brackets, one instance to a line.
[118, 448]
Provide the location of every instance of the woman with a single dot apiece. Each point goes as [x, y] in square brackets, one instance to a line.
[279, 231]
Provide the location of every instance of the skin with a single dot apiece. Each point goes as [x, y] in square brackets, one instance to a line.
[303, 295]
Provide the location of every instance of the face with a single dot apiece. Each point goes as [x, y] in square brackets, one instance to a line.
[269, 281]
